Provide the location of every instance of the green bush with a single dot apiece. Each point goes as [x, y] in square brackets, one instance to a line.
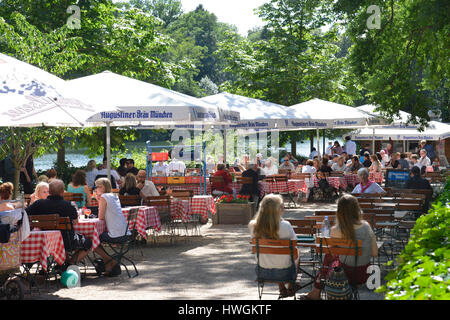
[424, 264]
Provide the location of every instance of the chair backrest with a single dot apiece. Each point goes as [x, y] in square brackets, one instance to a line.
[161, 202]
[285, 172]
[133, 200]
[325, 213]
[336, 174]
[404, 192]
[302, 226]
[301, 176]
[281, 247]
[64, 223]
[183, 194]
[44, 222]
[337, 246]
[280, 178]
[244, 180]
[69, 196]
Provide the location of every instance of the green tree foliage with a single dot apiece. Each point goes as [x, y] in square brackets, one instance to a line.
[403, 64]
[166, 10]
[424, 263]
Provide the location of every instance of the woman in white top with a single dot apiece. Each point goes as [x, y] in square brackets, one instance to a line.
[309, 168]
[91, 173]
[269, 224]
[339, 165]
[366, 186]
[270, 169]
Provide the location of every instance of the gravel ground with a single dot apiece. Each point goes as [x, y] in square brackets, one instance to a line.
[217, 265]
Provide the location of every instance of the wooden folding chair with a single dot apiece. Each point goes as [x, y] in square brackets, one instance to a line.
[130, 201]
[163, 204]
[278, 247]
[336, 246]
[248, 181]
[75, 197]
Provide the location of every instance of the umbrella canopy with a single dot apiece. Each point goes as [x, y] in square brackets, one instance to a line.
[254, 113]
[33, 97]
[123, 101]
[398, 130]
[317, 113]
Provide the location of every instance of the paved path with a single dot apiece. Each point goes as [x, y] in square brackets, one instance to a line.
[218, 265]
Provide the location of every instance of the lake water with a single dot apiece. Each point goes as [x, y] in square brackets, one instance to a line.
[78, 159]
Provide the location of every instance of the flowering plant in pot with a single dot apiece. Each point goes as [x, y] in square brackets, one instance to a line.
[230, 199]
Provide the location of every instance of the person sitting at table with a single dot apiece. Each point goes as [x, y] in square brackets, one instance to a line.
[122, 169]
[367, 163]
[393, 163]
[129, 188]
[415, 181]
[325, 168]
[237, 166]
[6, 190]
[79, 185]
[349, 225]
[269, 169]
[147, 187]
[224, 187]
[40, 192]
[376, 164]
[131, 168]
[292, 159]
[402, 162]
[313, 153]
[161, 169]
[384, 157]
[339, 165]
[355, 165]
[91, 173]
[42, 178]
[366, 186]
[110, 210]
[253, 188]
[337, 149]
[287, 164]
[309, 167]
[52, 175]
[55, 204]
[103, 173]
[424, 161]
[316, 164]
[269, 224]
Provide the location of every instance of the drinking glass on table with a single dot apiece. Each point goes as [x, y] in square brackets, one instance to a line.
[87, 212]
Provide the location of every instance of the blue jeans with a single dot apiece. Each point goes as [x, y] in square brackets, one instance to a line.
[282, 275]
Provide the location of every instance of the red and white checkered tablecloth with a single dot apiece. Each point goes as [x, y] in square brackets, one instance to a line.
[335, 182]
[198, 205]
[180, 209]
[42, 244]
[293, 186]
[147, 217]
[91, 228]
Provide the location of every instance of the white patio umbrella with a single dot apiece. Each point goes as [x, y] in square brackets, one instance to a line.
[123, 101]
[31, 97]
[321, 114]
[400, 130]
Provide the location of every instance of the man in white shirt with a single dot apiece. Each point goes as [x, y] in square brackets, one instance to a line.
[177, 166]
[269, 169]
[287, 165]
[161, 168]
[104, 172]
[147, 187]
[350, 146]
[313, 153]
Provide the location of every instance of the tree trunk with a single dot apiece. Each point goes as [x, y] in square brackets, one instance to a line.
[61, 155]
[16, 181]
[293, 147]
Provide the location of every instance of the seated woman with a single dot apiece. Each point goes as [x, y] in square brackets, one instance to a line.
[366, 186]
[325, 168]
[349, 226]
[79, 185]
[309, 167]
[316, 164]
[41, 192]
[129, 188]
[269, 169]
[6, 190]
[339, 165]
[91, 173]
[367, 163]
[376, 164]
[269, 224]
[224, 187]
[51, 175]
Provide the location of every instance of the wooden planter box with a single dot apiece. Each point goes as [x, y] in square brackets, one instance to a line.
[234, 213]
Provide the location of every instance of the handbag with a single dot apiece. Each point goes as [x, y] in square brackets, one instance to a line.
[5, 233]
[337, 286]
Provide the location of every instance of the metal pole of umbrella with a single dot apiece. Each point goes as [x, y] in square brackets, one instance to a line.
[318, 142]
[373, 141]
[225, 146]
[108, 149]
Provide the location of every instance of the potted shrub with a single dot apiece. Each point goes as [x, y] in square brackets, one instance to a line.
[230, 210]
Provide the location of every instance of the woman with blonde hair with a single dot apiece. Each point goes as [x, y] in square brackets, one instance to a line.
[41, 192]
[91, 173]
[349, 225]
[269, 224]
[129, 188]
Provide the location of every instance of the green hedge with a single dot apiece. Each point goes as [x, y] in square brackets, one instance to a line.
[424, 264]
